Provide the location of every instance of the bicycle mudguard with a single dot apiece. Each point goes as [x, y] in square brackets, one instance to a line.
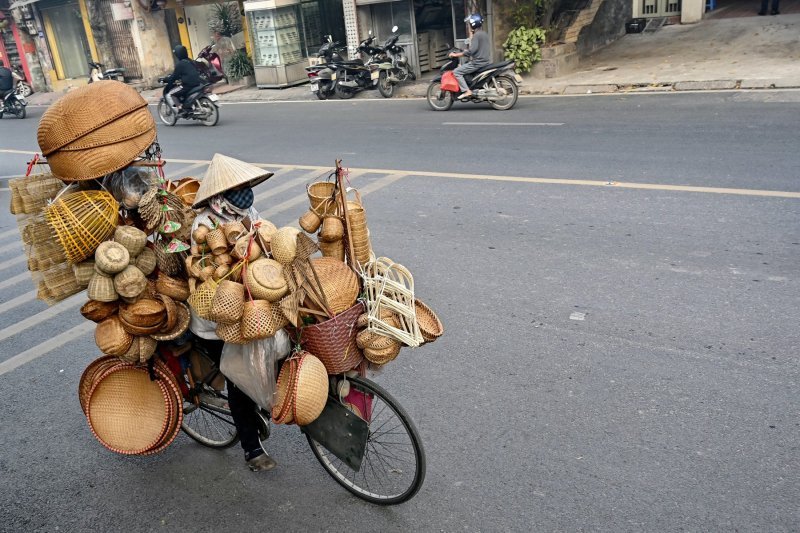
[341, 432]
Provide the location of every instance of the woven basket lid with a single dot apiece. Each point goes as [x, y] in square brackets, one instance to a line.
[91, 163]
[127, 412]
[266, 272]
[226, 173]
[181, 324]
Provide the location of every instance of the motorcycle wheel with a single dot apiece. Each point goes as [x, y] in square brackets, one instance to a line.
[512, 93]
[26, 90]
[18, 109]
[210, 111]
[166, 113]
[344, 94]
[385, 87]
[438, 99]
[323, 91]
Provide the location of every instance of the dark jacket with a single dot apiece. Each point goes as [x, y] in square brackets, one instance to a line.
[6, 79]
[185, 71]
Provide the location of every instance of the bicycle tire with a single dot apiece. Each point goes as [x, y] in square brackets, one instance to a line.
[356, 482]
[209, 424]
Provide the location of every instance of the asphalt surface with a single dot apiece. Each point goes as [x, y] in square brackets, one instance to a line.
[615, 358]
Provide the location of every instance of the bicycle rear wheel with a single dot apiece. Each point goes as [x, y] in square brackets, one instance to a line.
[393, 468]
[209, 421]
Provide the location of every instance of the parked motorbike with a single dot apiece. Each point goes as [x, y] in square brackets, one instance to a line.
[209, 66]
[25, 88]
[495, 83]
[14, 103]
[320, 76]
[97, 72]
[357, 75]
[200, 104]
[393, 66]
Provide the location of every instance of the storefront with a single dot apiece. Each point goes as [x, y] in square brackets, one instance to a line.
[67, 39]
[428, 28]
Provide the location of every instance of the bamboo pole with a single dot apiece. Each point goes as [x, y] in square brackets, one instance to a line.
[346, 215]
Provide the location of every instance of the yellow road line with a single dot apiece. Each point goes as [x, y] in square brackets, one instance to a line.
[517, 179]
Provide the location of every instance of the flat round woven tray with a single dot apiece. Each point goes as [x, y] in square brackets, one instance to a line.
[127, 412]
[89, 375]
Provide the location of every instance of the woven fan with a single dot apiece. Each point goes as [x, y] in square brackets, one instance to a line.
[390, 286]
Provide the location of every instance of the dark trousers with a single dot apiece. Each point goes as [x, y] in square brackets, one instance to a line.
[243, 409]
[764, 4]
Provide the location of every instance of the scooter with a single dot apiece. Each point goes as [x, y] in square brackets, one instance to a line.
[209, 66]
[393, 66]
[357, 75]
[496, 83]
[14, 103]
[321, 76]
[25, 88]
[97, 72]
[200, 104]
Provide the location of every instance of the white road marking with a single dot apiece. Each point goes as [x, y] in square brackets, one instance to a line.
[16, 302]
[503, 123]
[11, 262]
[15, 279]
[39, 318]
[16, 245]
[49, 345]
[184, 170]
[272, 191]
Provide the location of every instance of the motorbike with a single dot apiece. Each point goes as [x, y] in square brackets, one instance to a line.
[393, 66]
[25, 88]
[496, 83]
[351, 77]
[14, 103]
[200, 104]
[320, 76]
[209, 66]
[97, 72]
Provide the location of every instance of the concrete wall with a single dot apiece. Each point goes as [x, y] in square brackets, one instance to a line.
[608, 26]
[152, 43]
[692, 11]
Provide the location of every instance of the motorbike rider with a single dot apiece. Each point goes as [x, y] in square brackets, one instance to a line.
[8, 80]
[186, 73]
[479, 54]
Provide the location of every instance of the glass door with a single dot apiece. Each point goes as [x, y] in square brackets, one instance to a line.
[67, 40]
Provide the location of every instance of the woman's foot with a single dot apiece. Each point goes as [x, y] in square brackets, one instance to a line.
[261, 463]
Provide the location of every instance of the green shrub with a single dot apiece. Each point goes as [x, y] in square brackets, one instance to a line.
[523, 46]
[239, 66]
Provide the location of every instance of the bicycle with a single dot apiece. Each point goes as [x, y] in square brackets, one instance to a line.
[370, 447]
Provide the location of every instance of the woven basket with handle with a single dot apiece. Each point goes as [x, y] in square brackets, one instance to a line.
[334, 341]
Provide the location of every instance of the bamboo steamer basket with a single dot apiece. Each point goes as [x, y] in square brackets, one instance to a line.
[83, 272]
[111, 257]
[133, 239]
[98, 311]
[261, 319]
[175, 288]
[321, 197]
[130, 283]
[146, 261]
[284, 245]
[310, 390]
[310, 222]
[333, 249]
[101, 288]
[265, 281]
[127, 412]
[429, 324]
[111, 337]
[332, 229]
[231, 332]
[338, 282]
[200, 300]
[228, 303]
[81, 221]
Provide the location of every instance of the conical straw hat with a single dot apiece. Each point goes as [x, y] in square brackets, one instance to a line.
[226, 173]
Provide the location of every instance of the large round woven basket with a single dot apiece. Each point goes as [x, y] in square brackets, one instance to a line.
[264, 279]
[282, 412]
[334, 341]
[180, 327]
[81, 221]
[176, 417]
[310, 390]
[89, 375]
[95, 130]
[128, 413]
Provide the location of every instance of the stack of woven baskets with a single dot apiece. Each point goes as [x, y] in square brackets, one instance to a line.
[127, 411]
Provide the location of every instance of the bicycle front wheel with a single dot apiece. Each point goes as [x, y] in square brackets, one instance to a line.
[393, 468]
[209, 421]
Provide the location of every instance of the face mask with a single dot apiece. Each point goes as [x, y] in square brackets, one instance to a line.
[242, 198]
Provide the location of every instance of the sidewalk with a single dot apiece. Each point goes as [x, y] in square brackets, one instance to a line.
[717, 53]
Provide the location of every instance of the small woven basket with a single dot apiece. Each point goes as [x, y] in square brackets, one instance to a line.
[232, 231]
[430, 326]
[332, 229]
[381, 356]
[228, 302]
[338, 283]
[261, 319]
[146, 312]
[146, 261]
[175, 288]
[200, 300]
[111, 257]
[133, 239]
[334, 341]
[265, 281]
[98, 311]
[216, 241]
[101, 288]
[333, 249]
[310, 222]
[111, 337]
[321, 197]
[284, 245]
[81, 221]
[130, 283]
[231, 333]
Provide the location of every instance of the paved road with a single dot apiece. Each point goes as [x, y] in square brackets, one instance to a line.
[616, 358]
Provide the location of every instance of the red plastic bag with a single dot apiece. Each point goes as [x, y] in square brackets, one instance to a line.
[449, 82]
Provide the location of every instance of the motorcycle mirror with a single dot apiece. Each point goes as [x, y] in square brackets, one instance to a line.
[394, 29]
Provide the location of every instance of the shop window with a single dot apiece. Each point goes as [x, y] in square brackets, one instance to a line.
[65, 29]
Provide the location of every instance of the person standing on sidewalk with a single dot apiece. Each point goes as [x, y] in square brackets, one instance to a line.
[764, 5]
[479, 53]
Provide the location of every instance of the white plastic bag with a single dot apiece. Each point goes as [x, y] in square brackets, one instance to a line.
[252, 366]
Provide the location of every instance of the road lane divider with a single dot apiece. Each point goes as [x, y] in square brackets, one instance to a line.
[46, 347]
[503, 123]
[15, 279]
[16, 302]
[13, 261]
[39, 318]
